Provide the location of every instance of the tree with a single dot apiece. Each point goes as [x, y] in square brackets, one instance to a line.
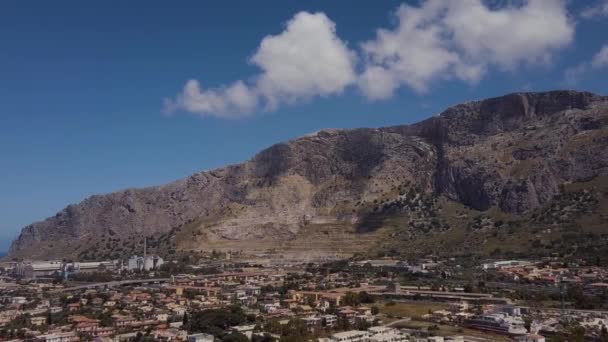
[375, 310]
[351, 299]
[604, 334]
[273, 326]
[262, 338]
[343, 324]
[235, 337]
[574, 333]
[190, 294]
[365, 298]
[362, 325]
[215, 321]
[105, 319]
[295, 327]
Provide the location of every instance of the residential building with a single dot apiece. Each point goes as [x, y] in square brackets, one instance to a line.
[58, 337]
[200, 338]
[350, 336]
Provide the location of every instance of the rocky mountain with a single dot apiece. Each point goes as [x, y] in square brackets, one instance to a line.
[515, 173]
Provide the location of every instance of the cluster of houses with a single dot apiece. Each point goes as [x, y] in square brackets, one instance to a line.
[323, 301]
[155, 308]
[592, 278]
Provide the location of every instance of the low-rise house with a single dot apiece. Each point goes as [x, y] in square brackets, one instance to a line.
[58, 337]
[348, 314]
[200, 338]
[382, 330]
[86, 327]
[246, 330]
[73, 306]
[350, 336]
[169, 335]
[389, 337]
[364, 310]
[109, 304]
[364, 319]
[313, 322]
[330, 320]
[163, 317]
[55, 309]
[38, 320]
[530, 338]
[97, 301]
[121, 321]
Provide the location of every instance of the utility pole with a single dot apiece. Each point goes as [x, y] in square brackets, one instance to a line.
[562, 287]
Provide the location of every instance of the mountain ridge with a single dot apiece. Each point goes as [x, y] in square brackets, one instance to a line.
[332, 177]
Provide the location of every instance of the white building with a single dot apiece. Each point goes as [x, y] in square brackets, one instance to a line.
[58, 337]
[530, 338]
[435, 339]
[382, 330]
[200, 338]
[330, 320]
[147, 263]
[135, 263]
[389, 337]
[246, 330]
[386, 334]
[91, 266]
[350, 336]
[48, 268]
[38, 268]
[502, 264]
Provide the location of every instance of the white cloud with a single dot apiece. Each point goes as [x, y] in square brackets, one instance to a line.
[600, 59]
[413, 53]
[232, 101]
[573, 75]
[511, 35]
[462, 39]
[306, 60]
[437, 40]
[597, 10]
[378, 82]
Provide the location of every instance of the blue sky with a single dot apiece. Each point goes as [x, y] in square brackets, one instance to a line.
[92, 95]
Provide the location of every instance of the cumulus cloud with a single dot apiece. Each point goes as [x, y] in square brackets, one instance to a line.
[306, 60]
[231, 101]
[600, 59]
[461, 39]
[596, 10]
[573, 75]
[433, 41]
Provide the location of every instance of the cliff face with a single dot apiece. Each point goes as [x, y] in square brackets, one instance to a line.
[513, 153]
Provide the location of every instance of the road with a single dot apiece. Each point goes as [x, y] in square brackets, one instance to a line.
[393, 323]
[112, 284]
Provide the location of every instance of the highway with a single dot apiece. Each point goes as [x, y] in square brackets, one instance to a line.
[113, 284]
[155, 280]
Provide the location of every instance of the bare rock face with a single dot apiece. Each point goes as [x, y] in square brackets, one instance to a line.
[511, 152]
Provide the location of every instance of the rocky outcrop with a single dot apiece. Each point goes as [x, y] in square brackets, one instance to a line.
[511, 152]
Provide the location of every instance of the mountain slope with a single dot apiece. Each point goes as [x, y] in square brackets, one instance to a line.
[399, 188]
